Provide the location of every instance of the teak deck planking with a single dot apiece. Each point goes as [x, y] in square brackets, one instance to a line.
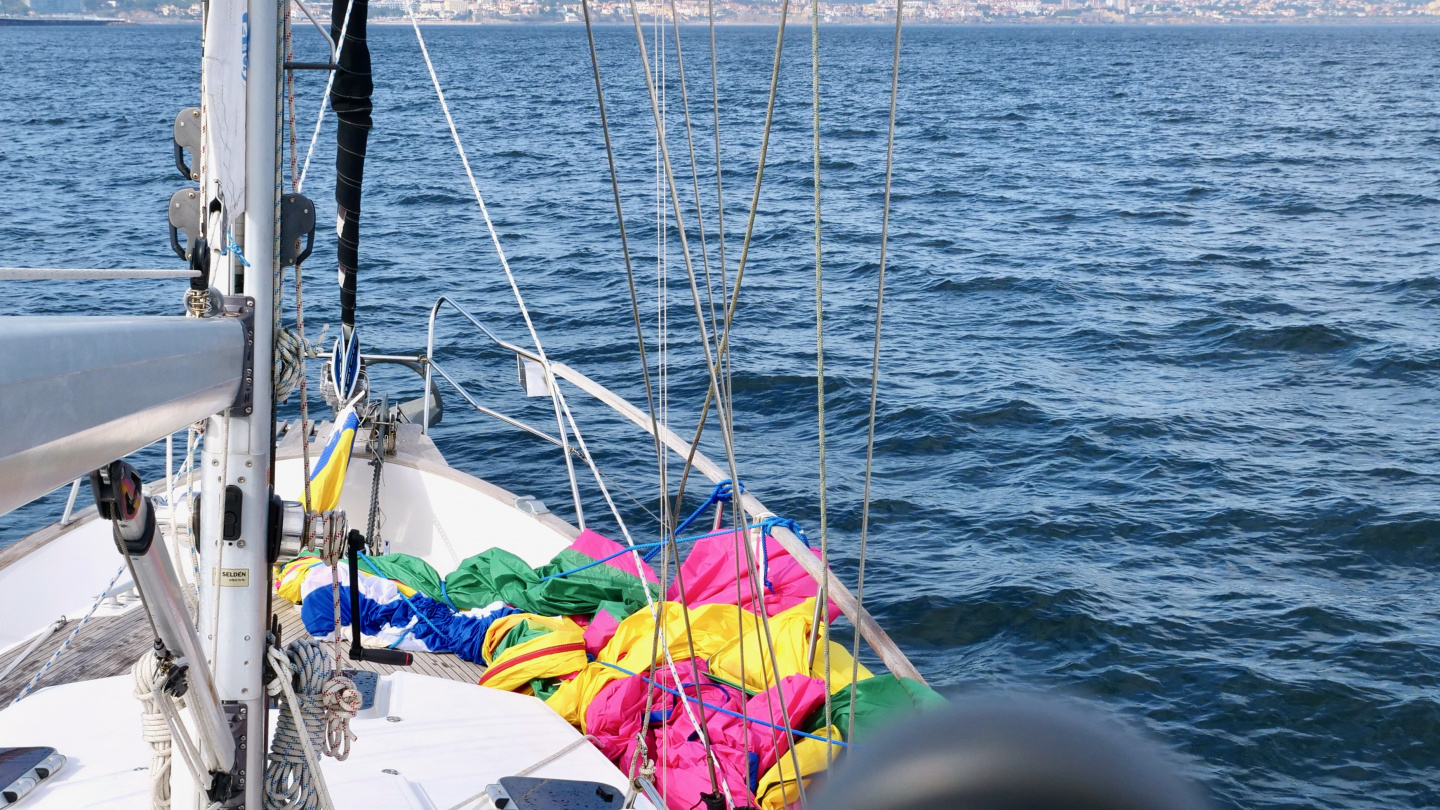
[109, 645]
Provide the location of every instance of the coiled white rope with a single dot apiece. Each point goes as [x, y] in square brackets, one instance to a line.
[341, 700]
[154, 729]
[293, 780]
[290, 352]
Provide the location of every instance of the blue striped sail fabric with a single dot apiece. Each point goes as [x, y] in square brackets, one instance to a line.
[388, 618]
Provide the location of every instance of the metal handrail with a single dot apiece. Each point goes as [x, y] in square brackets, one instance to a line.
[534, 431]
[550, 382]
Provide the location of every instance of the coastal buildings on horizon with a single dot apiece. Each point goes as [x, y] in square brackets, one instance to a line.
[766, 11]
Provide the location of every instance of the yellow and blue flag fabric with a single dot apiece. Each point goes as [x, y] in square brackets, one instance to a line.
[328, 477]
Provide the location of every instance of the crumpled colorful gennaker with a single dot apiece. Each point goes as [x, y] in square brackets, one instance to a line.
[578, 633]
[405, 604]
[392, 614]
[747, 707]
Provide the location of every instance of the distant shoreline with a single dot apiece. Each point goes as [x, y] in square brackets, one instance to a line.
[1142, 22]
[1052, 22]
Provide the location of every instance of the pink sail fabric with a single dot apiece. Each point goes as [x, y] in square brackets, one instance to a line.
[599, 631]
[803, 695]
[614, 717]
[597, 546]
[709, 575]
[685, 775]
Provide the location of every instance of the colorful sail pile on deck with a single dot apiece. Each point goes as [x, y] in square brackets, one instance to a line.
[579, 633]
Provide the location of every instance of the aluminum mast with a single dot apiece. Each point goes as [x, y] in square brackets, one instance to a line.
[234, 592]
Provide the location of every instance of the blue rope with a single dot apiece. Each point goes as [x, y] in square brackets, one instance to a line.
[727, 711]
[230, 245]
[766, 526]
[443, 637]
[601, 561]
[724, 492]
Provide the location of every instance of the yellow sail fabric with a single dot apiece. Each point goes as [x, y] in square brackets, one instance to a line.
[292, 576]
[574, 696]
[777, 790]
[712, 627]
[560, 651]
[290, 583]
[328, 477]
[791, 633]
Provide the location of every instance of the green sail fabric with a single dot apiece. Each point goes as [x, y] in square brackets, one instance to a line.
[517, 635]
[412, 571]
[497, 575]
[878, 702]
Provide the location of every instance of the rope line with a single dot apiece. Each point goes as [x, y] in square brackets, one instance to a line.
[694, 172]
[553, 384]
[821, 624]
[325, 97]
[650, 602]
[293, 779]
[563, 414]
[712, 362]
[170, 710]
[875, 356]
[533, 768]
[624, 242]
[725, 711]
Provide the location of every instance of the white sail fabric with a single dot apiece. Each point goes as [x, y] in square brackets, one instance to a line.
[227, 47]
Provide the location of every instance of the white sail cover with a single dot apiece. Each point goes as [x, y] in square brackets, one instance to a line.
[227, 47]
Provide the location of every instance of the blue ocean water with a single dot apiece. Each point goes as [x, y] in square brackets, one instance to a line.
[1158, 413]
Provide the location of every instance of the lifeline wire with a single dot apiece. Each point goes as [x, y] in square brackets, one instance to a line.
[875, 357]
[504, 263]
[562, 408]
[822, 600]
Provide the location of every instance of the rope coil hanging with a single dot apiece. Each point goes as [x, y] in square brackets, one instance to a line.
[293, 779]
[291, 349]
[154, 730]
[341, 701]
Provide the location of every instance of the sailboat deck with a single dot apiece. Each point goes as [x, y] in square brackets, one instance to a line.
[105, 647]
[109, 645]
[438, 665]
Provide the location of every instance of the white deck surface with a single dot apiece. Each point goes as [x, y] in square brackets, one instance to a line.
[450, 741]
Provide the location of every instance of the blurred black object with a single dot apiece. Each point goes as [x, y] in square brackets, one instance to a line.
[1008, 753]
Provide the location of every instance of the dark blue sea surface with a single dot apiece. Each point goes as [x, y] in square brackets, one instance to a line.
[1158, 413]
